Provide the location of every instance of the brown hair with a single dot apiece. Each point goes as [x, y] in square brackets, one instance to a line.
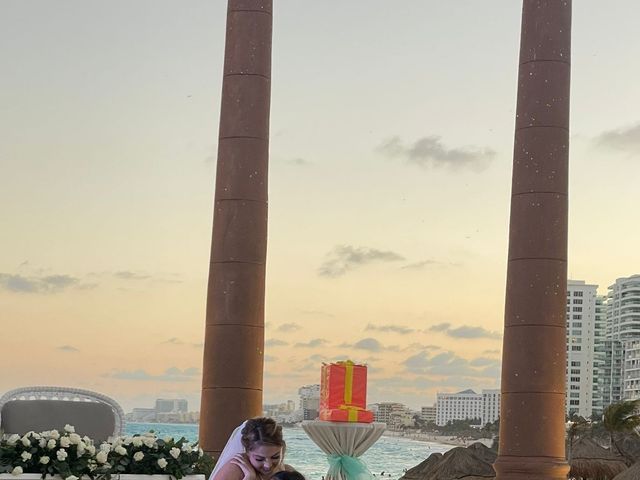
[261, 431]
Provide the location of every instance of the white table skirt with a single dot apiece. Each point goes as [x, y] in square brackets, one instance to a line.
[343, 438]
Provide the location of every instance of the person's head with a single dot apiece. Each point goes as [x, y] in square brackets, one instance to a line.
[288, 475]
[263, 444]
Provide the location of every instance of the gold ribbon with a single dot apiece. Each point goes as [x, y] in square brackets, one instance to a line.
[348, 381]
[352, 412]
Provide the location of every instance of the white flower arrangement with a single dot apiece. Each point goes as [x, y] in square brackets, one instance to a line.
[71, 457]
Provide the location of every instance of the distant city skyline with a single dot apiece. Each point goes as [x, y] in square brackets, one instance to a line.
[391, 151]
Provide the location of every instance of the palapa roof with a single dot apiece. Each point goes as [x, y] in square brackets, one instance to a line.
[459, 463]
[632, 473]
[483, 452]
[590, 460]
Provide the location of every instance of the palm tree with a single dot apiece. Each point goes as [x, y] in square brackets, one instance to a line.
[622, 417]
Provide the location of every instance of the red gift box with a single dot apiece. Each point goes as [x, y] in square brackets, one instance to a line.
[346, 414]
[343, 384]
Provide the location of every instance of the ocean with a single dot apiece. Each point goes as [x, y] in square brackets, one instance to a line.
[391, 455]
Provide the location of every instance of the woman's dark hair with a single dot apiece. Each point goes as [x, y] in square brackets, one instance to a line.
[288, 475]
[261, 431]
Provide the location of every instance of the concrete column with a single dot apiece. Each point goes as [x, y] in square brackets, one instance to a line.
[234, 335]
[532, 427]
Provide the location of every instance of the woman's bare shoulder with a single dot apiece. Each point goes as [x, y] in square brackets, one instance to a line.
[229, 471]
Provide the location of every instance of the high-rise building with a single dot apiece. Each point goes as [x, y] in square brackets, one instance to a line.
[490, 406]
[581, 334]
[465, 405]
[428, 414]
[382, 412]
[174, 405]
[623, 329]
[309, 401]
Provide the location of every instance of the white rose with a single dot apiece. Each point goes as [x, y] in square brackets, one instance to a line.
[26, 442]
[62, 455]
[65, 442]
[149, 434]
[42, 443]
[127, 440]
[105, 447]
[174, 452]
[87, 440]
[51, 444]
[186, 447]
[44, 460]
[101, 457]
[168, 439]
[91, 449]
[149, 441]
[16, 471]
[162, 462]
[136, 441]
[26, 456]
[71, 477]
[54, 434]
[80, 450]
[75, 438]
[35, 435]
[69, 429]
[13, 439]
[200, 452]
[120, 450]
[138, 456]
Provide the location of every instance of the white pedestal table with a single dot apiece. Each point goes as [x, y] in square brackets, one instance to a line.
[344, 443]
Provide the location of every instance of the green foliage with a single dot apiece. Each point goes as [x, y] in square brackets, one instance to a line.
[70, 456]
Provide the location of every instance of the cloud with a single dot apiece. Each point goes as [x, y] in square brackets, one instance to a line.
[390, 328]
[428, 263]
[464, 331]
[316, 342]
[275, 342]
[346, 257]
[625, 139]
[171, 374]
[449, 364]
[441, 327]
[270, 358]
[370, 344]
[67, 348]
[429, 152]
[288, 327]
[45, 284]
[127, 275]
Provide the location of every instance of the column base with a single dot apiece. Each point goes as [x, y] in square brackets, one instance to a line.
[530, 468]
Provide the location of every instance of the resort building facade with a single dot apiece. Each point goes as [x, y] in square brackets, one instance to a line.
[581, 334]
[309, 401]
[490, 406]
[464, 405]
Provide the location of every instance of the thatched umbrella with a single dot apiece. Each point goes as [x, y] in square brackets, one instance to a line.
[483, 452]
[423, 469]
[592, 462]
[460, 463]
[632, 473]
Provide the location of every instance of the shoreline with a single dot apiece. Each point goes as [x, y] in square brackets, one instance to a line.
[441, 439]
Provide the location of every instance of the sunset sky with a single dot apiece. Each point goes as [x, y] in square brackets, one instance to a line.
[391, 147]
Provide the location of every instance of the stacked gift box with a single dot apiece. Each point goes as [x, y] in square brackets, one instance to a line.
[343, 393]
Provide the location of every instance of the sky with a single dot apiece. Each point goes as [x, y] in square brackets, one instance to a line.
[390, 164]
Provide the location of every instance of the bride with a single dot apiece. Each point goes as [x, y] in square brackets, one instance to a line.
[255, 451]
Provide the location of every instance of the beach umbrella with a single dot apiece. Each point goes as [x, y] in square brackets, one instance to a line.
[632, 473]
[483, 452]
[461, 463]
[591, 461]
[421, 470]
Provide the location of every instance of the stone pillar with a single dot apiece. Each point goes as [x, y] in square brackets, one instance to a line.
[234, 334]
[532, 426]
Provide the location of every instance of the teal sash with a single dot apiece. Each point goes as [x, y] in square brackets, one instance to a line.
[353, 468]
